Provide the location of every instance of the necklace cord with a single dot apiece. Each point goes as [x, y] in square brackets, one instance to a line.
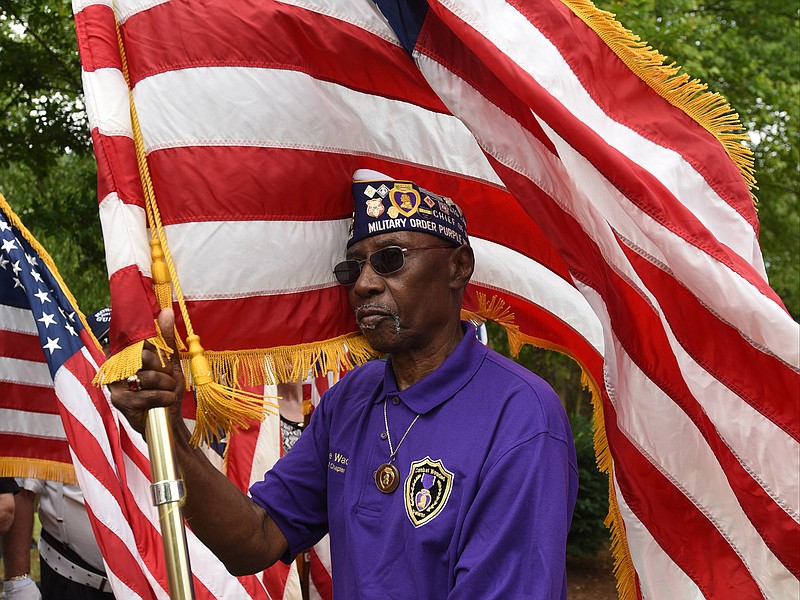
[393, 451]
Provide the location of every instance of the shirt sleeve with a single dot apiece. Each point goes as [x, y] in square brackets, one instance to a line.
[31, 484]
[8, 485]
[514, 537]
[294, 491]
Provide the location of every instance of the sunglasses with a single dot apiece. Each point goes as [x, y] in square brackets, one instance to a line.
[384, 261]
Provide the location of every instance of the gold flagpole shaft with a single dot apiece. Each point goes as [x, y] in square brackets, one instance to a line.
[167, 494]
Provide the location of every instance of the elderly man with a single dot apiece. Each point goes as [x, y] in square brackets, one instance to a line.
[443, 471]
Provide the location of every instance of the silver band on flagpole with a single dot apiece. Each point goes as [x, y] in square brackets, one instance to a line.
[170, 490]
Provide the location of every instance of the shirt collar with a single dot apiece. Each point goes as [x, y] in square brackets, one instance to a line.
[443, 383]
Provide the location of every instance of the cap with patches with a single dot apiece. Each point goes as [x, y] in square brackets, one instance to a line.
[100, 322]
[383, 205]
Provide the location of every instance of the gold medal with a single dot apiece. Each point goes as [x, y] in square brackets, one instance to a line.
[387, 477]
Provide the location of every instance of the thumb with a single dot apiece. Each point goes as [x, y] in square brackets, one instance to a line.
[166, 322]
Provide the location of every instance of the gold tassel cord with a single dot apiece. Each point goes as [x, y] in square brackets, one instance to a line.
[162, 284]
[219, 407]
[709, 109]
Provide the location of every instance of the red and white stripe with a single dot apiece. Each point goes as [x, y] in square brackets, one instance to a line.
[31, 434]
[609, 222]
[114, 474]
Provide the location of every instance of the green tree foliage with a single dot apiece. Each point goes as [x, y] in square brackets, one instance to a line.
[748, 51]
[40, 85]
[47, 170]
[60, 209]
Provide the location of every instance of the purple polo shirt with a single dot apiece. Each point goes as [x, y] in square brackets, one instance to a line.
[488, 481]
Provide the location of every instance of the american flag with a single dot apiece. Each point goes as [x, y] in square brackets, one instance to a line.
[32, 437]
[607, 223]
[110, 460]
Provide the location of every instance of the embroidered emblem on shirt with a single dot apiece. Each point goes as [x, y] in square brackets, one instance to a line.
[427, 490]
[404, 198]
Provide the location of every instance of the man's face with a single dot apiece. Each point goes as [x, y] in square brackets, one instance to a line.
[404, 310]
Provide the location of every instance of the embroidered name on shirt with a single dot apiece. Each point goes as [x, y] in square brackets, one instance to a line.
[427, 490]
[337, 462]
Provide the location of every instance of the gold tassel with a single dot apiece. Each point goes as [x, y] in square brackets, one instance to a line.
[162, 285]
[121, 365]
[220, 408]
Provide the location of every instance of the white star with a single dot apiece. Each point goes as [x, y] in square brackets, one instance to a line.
[4, 226]
[9, 245]
[70, 316]
[31, 259]
[18, 284]
[52, 345]
[3, 261]
[16, 268]
[36, 276]
[42, 295]
[69, 328]
[47, 320]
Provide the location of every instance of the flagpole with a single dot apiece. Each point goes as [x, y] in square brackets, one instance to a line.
[168, 493]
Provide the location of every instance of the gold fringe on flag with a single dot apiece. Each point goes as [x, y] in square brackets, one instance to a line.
[128, 361]
[288, 363]
[496, 310]
[36, 468]
[709, 109]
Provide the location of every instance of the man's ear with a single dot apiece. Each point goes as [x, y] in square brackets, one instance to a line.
[463, 264]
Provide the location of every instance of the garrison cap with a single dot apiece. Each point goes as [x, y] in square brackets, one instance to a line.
[383, 205]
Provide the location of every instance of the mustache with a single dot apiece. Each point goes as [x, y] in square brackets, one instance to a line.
[372, 308]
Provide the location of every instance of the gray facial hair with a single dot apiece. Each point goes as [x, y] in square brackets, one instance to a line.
[392, 312]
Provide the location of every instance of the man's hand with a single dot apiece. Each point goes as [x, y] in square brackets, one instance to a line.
[161, 385]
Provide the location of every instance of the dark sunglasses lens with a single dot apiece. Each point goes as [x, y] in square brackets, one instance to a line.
[347, 272]
[387, 260]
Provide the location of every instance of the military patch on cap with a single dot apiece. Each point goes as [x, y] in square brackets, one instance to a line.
[383, 205]
[427, 490]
